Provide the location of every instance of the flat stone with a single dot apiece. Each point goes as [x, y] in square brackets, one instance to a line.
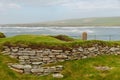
[37, 63]
[114, 49]
[14, 49]
[61, 56]
[59, 66]
[84, 57]
[46, 58]
[103, 68]
[57, 75]
[17, 70]
[80, 49]
[57, 51]
[91, 49]
[23, 57]
[51, 55]
[39, 70]
[27, 66]
[17, 66]
[39, 51]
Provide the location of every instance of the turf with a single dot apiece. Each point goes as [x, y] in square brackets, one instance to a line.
[73, 70]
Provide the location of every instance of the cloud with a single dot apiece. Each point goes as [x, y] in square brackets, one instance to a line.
[7, 6]
[93, 4]
[80, 4]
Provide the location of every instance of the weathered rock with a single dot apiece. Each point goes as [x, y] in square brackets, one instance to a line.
[46, 59]
[61, 56]
[103, 68]
[57, 75]
[91, 49]
[17, 70]
[14, 49]
[57, 51]
[23, 57]
[80, 49]
[37, 63]
[27, 69]
[114, 49]
[40, 70]
[17, 66]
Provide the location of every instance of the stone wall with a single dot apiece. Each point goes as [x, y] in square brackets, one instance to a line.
[33, 60]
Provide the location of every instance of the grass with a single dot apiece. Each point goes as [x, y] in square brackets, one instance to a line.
[73, 70]
[40, 41]
[95, 21]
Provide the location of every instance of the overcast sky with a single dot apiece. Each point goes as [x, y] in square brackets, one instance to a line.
[30, 11]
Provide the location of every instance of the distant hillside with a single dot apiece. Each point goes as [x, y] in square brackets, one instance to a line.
[102, 21]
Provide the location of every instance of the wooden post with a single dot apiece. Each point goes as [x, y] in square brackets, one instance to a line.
[84, 36]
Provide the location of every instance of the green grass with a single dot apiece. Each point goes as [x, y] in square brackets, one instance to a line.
[73, 70]
[95, 21]
[42, 41]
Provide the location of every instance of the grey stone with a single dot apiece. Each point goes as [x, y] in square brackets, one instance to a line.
[27, 69]
[17, 70]
[80, 49]
[51, 55]
[57, 51]
[39, 51]
[57, 75]
[7, 49]
[27, 66]
[14, 49]
[23, 57]
[17, 66]
[103, 68]
[61, 56]
[91, 49]
[84, 57]
[40, 70]
[114, 49]
[37, 63]
[46, 58]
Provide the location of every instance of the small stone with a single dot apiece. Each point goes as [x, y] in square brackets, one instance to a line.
[46, 59]
[57, 51]
[103, 68]
[114, 49]
[17, 70]
[57, 75]
[80, 49]
[37, 63]
[91, 49]
[27, 66]
[39, 70]
[14, 49]
[23, 57]
[17, 66]
[84, 57]
[61, 56]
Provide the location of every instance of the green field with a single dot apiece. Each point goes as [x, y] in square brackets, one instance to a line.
[104, 21]
[95, 21]
[47, 41]
[73, 70]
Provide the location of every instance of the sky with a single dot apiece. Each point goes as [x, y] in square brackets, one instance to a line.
[31, 11]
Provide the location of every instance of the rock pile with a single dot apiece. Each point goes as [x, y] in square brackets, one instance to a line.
[32, 60]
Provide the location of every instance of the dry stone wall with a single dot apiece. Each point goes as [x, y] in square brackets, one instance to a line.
[33, 60]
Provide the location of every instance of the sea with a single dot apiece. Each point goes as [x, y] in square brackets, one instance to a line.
[94, 32]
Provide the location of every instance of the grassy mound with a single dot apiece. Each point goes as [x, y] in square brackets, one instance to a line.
[40, 41]
[73, 70]
[64, 38]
